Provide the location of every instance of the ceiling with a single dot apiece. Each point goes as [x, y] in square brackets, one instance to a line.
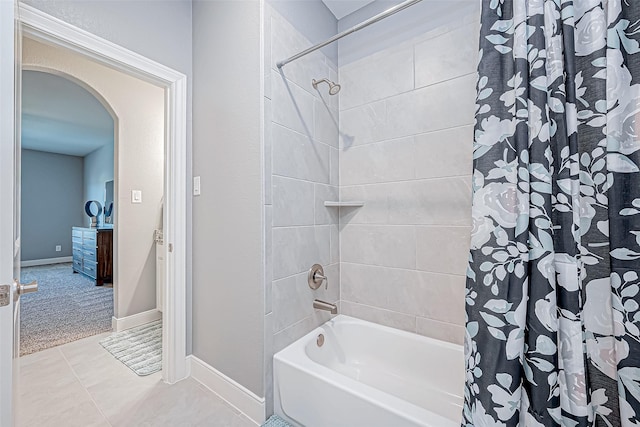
[342, 8]
[59, 116]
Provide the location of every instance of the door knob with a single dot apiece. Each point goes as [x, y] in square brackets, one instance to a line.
[26, 289]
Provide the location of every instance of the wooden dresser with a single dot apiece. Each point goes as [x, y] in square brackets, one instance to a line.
[93, 253]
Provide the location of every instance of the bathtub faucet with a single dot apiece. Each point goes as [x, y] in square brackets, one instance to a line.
[322, 305]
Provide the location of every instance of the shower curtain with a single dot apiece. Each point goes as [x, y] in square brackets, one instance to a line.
[553, 288]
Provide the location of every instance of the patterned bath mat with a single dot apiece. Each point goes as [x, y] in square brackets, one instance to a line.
[139, 348]
[276, 421]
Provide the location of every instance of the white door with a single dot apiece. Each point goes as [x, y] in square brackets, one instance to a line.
[10, 290]
[7, 210]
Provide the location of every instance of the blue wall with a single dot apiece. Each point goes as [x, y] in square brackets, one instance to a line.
[51, 203]
[98, 169]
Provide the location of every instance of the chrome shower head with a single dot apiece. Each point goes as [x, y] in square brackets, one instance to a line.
[334, 88]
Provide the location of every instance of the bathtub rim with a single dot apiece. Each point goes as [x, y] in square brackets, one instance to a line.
[294, 355]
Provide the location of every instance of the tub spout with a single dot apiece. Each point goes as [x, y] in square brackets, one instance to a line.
[322, 305]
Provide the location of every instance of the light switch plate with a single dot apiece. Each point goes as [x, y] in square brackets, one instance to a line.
[136, 196]
[196, 185]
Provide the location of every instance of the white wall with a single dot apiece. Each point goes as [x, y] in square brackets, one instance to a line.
[406, 124]
[139, 158]
[228, 270]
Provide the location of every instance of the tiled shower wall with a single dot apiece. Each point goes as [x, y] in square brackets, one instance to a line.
[301, 148]
[406, 134]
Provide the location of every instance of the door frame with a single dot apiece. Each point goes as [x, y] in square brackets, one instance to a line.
[43, 27]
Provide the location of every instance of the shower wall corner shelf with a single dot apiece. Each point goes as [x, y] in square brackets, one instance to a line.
[349, 204]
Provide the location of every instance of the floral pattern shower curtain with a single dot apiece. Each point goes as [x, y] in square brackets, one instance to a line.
[553, 288]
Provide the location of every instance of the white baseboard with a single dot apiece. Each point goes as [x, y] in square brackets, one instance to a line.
[235, 394]
[135, 320]
[45, 261]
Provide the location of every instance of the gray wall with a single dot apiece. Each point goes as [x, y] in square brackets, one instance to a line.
[51, 203]
[98, 169]
[228, 305]
[160, 30]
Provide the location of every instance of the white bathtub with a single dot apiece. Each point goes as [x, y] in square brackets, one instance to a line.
[368, 375]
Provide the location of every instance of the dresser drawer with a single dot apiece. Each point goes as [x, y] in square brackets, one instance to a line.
[89, 250]
[76, 233]
[89, 236]
[77, 252]
[89, 268]
[77, 264]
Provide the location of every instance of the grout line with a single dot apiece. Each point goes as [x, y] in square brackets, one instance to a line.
[403, 269]
[84, 388]
[409, 180]
[414, 135]
[408, 225]
[471, 125]
[305, 136]
[462, 76]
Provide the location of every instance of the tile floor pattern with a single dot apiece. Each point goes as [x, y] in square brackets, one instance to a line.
[81, 384]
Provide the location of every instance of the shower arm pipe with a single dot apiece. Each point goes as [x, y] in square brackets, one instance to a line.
[379, 17]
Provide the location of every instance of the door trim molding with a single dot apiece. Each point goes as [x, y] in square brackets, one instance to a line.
[46, 28]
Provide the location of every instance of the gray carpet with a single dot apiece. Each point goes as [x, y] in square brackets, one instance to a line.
[139, 348]
[67, 307]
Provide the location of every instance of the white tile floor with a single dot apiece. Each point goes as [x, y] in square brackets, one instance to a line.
[81, 384]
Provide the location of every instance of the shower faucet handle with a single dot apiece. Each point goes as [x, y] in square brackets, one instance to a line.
[316, 277]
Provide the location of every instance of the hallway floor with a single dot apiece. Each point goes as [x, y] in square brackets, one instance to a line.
[81, 384]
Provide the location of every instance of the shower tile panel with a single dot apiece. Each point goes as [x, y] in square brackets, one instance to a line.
[440, 106]
[296, 156]
[334, 166]
[441, 297]
[293, 202]
[435, 296]
[376, 77]
[335, 243]
[268, 149]
[385, 245]
[380, 316]
[445, 201]
[435, 64]
[444, 153]
[295, 249]
[374, 211]
[440, 330]
[324, 215]
[268, 255]
[362, 125]
[386, 161]
[443, 249]
[292, 105]
[293, 299]
[325, 123]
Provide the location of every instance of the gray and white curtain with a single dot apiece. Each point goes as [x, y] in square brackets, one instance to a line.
[553, 288]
